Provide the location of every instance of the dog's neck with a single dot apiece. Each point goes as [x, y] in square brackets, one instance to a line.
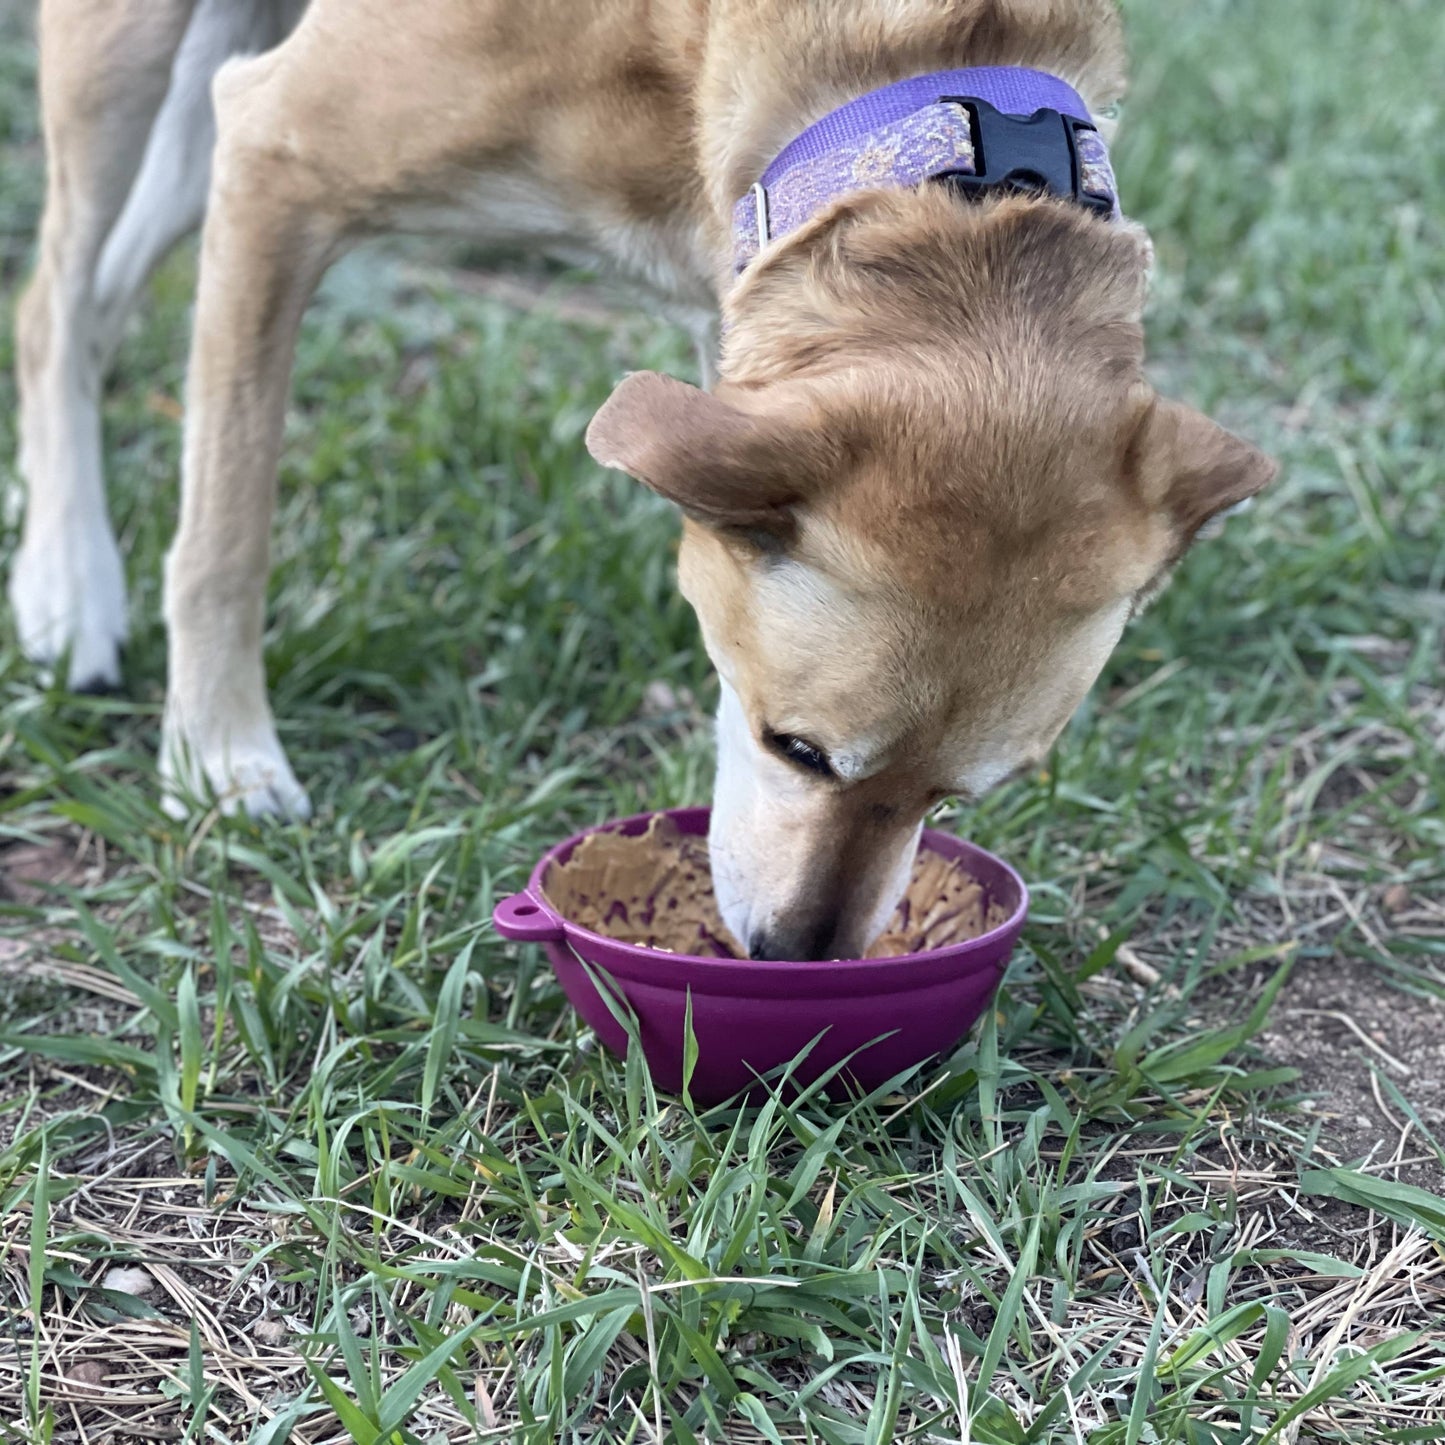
[774, 67]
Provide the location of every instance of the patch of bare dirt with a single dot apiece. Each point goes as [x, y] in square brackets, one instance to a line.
[1344, 1021]
[1348, 1031]
[30, 872]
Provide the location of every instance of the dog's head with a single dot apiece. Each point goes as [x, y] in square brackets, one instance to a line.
[920, 508]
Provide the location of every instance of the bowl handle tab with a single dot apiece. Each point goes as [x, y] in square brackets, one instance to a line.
[525, 918]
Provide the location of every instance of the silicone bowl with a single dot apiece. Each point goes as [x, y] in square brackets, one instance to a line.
[882, 1015]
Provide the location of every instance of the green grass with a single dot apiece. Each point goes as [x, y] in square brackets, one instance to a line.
[383, 1184]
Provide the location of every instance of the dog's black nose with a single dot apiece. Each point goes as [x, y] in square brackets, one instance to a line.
[805, 945]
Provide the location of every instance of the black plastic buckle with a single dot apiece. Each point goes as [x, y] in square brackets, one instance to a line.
[1029, 153]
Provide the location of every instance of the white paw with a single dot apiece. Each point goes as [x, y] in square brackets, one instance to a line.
[245, 773]
[69, 595]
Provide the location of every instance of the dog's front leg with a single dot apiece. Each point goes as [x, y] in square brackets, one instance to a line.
[265, 245]
[103, 76]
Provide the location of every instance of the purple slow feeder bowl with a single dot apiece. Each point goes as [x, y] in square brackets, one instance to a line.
[751, 1017]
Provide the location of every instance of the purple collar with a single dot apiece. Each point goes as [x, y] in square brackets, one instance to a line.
[986, 128]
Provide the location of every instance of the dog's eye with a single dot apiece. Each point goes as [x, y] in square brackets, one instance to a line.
[801, 752]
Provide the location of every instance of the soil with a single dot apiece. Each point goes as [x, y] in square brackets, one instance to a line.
[1321, 1025]
[31, 872]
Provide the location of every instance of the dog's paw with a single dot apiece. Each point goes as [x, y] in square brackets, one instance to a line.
[244, 774]
[69, 600]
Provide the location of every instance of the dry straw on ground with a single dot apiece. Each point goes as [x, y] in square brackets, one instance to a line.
[109, 1377]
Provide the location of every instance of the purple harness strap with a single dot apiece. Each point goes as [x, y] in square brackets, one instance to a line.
[902, 135]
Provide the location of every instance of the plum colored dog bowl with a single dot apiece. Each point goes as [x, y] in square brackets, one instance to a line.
[750, 1017]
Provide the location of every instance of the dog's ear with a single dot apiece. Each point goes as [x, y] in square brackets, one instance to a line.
[730, 469]
[1191, 469]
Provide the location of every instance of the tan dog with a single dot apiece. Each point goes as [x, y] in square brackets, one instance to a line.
[928, 489]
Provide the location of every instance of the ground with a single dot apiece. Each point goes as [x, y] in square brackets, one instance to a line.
[291, 1142]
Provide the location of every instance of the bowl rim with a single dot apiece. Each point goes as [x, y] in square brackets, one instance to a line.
[1008, 930]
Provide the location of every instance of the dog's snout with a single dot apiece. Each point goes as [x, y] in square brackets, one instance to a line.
[803, 945]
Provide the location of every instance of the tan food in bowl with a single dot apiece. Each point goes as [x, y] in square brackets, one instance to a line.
[655, 889]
